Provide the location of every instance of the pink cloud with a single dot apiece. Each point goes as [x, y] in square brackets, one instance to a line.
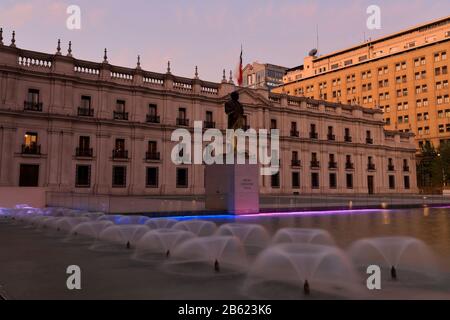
[17, 15]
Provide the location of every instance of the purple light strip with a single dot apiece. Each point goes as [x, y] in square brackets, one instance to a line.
[320, 212]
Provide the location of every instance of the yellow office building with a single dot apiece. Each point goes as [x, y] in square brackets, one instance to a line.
[404, 74]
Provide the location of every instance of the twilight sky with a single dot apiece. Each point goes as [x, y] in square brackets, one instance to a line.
[207, 33]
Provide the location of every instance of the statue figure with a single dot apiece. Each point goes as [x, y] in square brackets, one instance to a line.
[235, 112]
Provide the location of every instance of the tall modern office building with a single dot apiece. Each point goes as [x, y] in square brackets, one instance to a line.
[263, 75]
[404, 74]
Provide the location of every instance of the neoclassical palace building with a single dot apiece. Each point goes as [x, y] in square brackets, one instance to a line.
[76, 126]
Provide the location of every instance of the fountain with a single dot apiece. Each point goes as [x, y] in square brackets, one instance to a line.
[160, 242]
[160, 223]
[113, 218]
[45, 222]
[93, 215]
[296, 270]
[124, 235]
[399, 256]
[199, 227]
[68, 223]
[91, 229]
[253, 236]
[206, 256]
[132, 220]
[301, 235]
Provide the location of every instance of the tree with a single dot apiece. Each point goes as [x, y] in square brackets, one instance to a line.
[428, 168]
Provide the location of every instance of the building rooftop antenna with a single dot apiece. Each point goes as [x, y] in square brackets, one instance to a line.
[317, 37]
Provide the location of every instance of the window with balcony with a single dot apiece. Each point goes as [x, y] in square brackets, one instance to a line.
[84, 149]
[405, 165]
[85, 109]
[152, 115]
[209, 123]
[330, 134]
[30, 145]
[314, 161]
[332, 164]
[391, 164]
[33, 101]
[347, 136]
[152, 151]
[370, 164]
[119, 113]
[348, 162]
[369, 139]
[312, 132]
[294, 131]
[295, 161]
[119, 151]
[182, 119]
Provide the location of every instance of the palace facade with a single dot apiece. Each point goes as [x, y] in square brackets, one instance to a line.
[75, 126]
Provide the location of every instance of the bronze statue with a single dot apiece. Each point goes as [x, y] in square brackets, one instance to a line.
[235, 112]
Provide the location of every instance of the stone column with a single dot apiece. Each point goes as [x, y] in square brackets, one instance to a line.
[54, 159]
[103, 168]
[7, 148]
[67, 172]
[137, 176]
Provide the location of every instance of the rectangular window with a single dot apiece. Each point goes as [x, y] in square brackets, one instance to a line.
[275, 180]
[152, 177]
[209, 116]
[29, 175]
[182, 178]
[33, 96]
[295, 180]
[152, 109]
[315, 180]
[182, 113]
[333, 181]
[84, 142]
[120, 144]
[120, 106]
[349, 180]
[273, 123]
[119, 179]
[83, 176]
[406, 182]
[391, 182]
[85, 102]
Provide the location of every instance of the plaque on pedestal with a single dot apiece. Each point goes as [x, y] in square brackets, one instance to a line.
[232, 188]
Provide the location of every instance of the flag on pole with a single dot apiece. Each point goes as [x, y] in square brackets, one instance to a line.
[239, 74]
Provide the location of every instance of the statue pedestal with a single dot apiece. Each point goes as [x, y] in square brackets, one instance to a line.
[232, 188]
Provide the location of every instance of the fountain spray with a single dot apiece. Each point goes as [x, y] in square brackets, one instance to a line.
[393, 273]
